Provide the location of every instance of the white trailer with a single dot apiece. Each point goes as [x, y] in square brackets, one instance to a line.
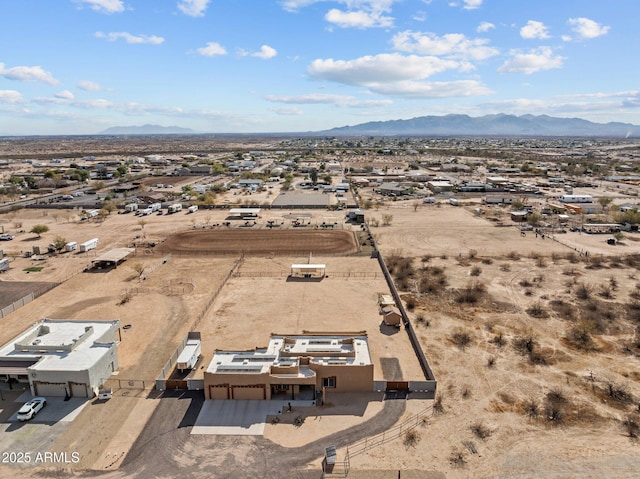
[71, 246]
[92, 213]
[89, 245]
[155, 207]
[174, 208]
[189, 355]
[576, 198]
[192, 209]
[131, 207]
[453, 202]
[144, 212]
[4, 264]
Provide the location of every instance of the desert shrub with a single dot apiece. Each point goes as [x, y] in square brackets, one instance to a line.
[541, 262]
[461, 339]
[524, 345]
[473, 253]
[570, 271]
[513, 255]
[555, 257]
[631, 426]
[528, 292]
[487, 261]
[457, 459]
[595, 262]
[125, 298]
[619, 393]
[555, 405]
[491, 361]
[531, 408]
[537, 310]
[411, 438]
[505, 267]
[525, 283]
[572, 258]
[476, 271]
[472, 294]
[613, 283]
[410, 302]
[498, 340]
[480, 430]
[423, 321]
[583, 291]
[580, 336]
[426, 258]
[563, 309]
[466, 392]
[632, 260]
[438, 407]
[605, 291]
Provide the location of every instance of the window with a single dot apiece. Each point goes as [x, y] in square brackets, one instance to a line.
[329, 382]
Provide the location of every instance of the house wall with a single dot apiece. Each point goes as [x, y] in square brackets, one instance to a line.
[349, 378]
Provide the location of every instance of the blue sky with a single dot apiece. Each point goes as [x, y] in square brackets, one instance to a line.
[80, 66]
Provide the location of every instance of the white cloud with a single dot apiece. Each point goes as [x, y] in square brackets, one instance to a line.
[129, 38]
[287, 111]
[358, 19]
[587, 28]
[419, 16]
[193, 8]
[64, 95]
[28, 74]
[11, 96]
[534, 29]
[89, 86]
[378, 69]
[485, 27]
[417, 89]
[211, 50]
[265, 52]
[472, 4]
[104, 6]
[535, 60]
[451, 44]
[327, 99]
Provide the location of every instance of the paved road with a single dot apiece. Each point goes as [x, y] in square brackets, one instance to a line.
[167, 449]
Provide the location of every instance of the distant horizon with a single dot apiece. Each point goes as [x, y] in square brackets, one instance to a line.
[82, 66]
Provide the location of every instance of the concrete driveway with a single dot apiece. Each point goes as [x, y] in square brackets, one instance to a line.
[238, 417]
[56, 410]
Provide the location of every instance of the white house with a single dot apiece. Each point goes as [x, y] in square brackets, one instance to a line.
[62, 357]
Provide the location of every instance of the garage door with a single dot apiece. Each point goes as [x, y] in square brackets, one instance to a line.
[50, 389]
[248, 392]
[79, 390]
[219, 392]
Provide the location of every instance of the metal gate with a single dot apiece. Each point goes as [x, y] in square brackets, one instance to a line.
[397, 385]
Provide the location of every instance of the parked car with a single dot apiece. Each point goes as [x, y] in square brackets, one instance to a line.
[6, 237]
[31, 408]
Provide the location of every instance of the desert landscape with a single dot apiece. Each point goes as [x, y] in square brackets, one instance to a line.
[531, 333]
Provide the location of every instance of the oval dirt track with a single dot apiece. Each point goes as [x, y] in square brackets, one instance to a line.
[260, 242]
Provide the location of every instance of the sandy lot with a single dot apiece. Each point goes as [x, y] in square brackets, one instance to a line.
[497, 398]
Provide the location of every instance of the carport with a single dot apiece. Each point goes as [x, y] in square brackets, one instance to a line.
[112, 258]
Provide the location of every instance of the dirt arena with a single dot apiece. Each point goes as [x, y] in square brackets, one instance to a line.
[12, 291]
[261, 242]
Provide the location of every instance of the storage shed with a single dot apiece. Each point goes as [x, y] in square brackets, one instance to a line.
[391, 316]
[308, 270]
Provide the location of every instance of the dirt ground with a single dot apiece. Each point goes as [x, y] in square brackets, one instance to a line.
[556, 411]
[546, 380]
[261, 242]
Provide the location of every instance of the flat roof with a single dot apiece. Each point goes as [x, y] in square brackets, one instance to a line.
[308, 266]
[248, 211]
[61, 345]
[113, 256]
[345, 349]
[302, 199]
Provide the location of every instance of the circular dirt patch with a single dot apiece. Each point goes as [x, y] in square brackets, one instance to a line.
[261, 242]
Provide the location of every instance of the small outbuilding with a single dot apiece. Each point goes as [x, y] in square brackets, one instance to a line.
[112, 258]
[391, 316]
[308, 270]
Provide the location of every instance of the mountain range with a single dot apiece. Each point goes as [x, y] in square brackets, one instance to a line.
[488, 125]
[448, 125]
